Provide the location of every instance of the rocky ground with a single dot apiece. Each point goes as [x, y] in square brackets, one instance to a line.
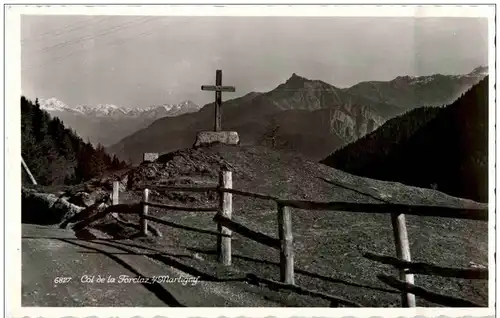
[327, 245]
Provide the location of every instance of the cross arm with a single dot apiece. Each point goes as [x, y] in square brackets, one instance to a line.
[218, 88]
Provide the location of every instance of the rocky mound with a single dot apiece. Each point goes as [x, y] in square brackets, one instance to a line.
[188, 167]
[170, 168]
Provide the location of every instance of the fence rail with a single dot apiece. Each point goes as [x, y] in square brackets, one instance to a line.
[179, 208]
[426, 294]
[334, 300]
[429, 269]
[180, 226]
[284, 243]
[479, 214]
[181, 189]
[242, 230]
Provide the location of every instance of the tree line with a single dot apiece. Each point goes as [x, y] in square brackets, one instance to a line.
[55, 154]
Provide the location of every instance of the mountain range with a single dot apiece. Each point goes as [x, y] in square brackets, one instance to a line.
[409, 92]
[442, 148]
[106, 123]
[301, 115]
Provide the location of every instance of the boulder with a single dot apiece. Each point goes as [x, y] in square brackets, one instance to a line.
[204, 138]
[81, 199]
[45, 208]
[86, 199]
[100, 195]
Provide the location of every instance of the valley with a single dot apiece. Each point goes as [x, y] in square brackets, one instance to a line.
[107, 124]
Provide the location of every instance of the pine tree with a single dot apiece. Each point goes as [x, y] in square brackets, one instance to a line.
[55, 154]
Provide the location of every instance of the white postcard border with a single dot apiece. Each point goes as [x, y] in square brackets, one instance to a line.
[13, 168]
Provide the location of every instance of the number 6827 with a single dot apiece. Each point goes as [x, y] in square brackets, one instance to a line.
[62, 280]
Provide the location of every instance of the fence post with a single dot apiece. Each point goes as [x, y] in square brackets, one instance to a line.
[143, 221]
[116, 192]
[286, 239]
[403, 253]
[225, 209]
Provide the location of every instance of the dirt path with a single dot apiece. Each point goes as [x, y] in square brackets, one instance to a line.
[48, 253]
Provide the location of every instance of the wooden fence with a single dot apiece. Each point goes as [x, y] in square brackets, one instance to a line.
[284, 242]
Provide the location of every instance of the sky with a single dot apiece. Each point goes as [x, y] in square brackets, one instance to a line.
[140, 61]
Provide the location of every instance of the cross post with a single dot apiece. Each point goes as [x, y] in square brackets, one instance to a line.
[218, 88]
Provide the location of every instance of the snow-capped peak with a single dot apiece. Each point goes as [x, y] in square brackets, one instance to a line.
[111, 110]
[106, 107]
[54, 105]
[479, 71]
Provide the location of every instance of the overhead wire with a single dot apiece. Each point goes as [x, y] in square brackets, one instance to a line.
[93, 36]
[64, 27]
[62, 57]
[115, 43]
[70, 27]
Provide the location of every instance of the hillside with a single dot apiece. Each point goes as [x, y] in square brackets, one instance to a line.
[55, 154]
[445, 148]
[107, 124]
[328, 244]
[301, 93]
[321, 115]
[409, 92]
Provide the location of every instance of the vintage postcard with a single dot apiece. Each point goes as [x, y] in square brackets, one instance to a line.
[240, 160]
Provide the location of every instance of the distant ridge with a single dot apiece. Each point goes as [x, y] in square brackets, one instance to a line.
[55, 105]
[408, 92]
[442, 148]
[107, 123]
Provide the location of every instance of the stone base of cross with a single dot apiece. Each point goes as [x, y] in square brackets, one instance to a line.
[150, 156]
[204, 138]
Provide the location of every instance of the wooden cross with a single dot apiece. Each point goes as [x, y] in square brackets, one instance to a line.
[218, 88]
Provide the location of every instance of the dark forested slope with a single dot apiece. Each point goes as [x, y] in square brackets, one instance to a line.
[442, 148]
[55, 154]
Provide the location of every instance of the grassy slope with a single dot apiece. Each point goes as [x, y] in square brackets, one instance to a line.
[303, 131]
[327, 244]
